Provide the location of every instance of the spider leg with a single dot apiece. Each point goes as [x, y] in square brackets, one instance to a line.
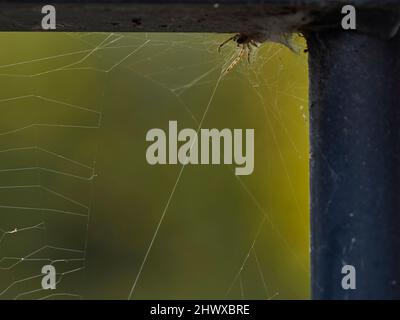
[236, 60]
[254, 43]
[226, 41]
[249, 49]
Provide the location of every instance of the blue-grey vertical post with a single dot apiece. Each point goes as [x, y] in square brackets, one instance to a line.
[355, 164]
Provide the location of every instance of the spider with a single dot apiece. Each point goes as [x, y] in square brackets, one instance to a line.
[245, 42]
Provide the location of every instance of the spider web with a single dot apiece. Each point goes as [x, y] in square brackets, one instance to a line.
[76, 190]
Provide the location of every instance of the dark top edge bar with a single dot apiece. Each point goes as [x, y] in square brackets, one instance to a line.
[224, 16]
[292, 3]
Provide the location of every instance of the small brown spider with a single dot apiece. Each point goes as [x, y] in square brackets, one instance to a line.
[245, 42]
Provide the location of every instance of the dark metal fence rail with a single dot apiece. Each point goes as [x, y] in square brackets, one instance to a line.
[354, 113]
[193, 15]
[355, 164]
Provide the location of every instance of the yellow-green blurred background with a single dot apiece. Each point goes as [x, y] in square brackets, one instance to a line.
[76, 190]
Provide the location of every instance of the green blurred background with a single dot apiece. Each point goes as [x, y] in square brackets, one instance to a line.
[76, 190]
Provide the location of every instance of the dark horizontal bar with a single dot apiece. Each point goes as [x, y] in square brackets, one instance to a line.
[225, 16]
